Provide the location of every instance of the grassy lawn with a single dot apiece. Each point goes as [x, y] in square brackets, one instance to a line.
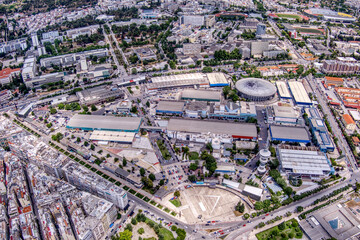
[132, 191]
[153, 202]
[310, 30]
[176, 202]
[159, 206]
[274, 233]
[139, 195]
[173, 213]
[126, 188]
[283, 15]
[166, 233]
[167, 210]
[146, 199]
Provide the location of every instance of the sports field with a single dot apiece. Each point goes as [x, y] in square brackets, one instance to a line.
[311, 30]
[284, 15]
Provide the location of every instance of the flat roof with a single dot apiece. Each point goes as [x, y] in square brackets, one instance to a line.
[225, 168]
[110, 123]
[197, 126]
[201, 95]
[253, 190]
[285, 133]
[112, 136]
[283, 111]
[178, 80]
[304, 162]
[355, 114]
[283, 89]
[299, 92]
[217, 79]
[231, 184]
[170, 106]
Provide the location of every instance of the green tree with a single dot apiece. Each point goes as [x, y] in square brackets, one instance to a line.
[125, 235]
[299, 208]
[152, 177]
[193, 166]
[142, 171]
[240, 207]
[92, 147]
[141, 231]
[281, 226]
[207, 69]
[192, 178]
[53, 110]
[61, 106]
[177, 193]
[124, 162]
[181, 234]
[85, 108]
[133, 221]
[129, 227]
[93, 108]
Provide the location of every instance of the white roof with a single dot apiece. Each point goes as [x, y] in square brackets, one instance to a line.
[299, 92]
[253, 190]
[304, 162]
[112, 136]
[283, 89]
[355, 115]
[217, 78]
[231, 184]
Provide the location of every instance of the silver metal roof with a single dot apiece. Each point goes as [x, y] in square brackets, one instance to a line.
[105, 122]
[255, 87]
[197, 126]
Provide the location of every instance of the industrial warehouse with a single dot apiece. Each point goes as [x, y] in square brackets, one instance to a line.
[304, 163]
[201, 95]
[191, 79]
[205, 131]
[299, 93]
[289, 134]
[106, 123]
[170, 108]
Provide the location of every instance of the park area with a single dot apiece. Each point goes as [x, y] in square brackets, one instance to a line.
[284, 15]
[315, 31]
[285, 230]
[164, 151]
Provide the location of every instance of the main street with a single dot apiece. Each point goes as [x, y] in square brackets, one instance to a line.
[342, 143]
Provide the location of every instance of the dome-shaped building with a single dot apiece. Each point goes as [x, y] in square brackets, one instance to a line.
[255, 89]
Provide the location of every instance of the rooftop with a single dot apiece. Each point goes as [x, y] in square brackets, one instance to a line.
[170, 106]
[95, 122]
[299, 92]
[7, 72]
[285, 133]
[112, 136]
[201, 95]
[232, 129]
[304, 162]
[348, 119]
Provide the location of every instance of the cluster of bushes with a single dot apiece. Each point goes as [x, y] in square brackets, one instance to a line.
[303, 215]
[333, 194]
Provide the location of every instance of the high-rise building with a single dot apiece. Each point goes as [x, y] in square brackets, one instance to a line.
[193, 20]
[260, 29]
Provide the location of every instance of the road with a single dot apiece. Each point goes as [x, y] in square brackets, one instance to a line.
[342, 143]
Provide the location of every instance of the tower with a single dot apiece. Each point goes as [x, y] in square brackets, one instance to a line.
[264, 158]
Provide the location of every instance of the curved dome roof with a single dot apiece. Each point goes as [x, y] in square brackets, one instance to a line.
[255, 87]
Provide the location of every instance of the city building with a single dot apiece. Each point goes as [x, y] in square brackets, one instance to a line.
[299, 93]
[260, 29]
[304, 163]
[145, 54]
[193, 20]
[196, 109]
[341, 66]
[24, 112]
[334, 81]
[319, 130]
[335, 221]
[289, 134]
[98, 95]
[29, 69]
[253, 192]
[14, 45]
[89, 30]
[239, 110]
[51, 37]
[349, 122]
[282, 115]
[37, 82]
[170, 108]
[72, 58]
[191, 48]
[181, 80]
[265, 155]
[259, 47]
[105, 123]
[201, 95]
[225, 169]
[204, 131]
[217, 79]
[7, 74]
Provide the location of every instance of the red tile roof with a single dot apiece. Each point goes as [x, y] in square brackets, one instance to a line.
[7, 71]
